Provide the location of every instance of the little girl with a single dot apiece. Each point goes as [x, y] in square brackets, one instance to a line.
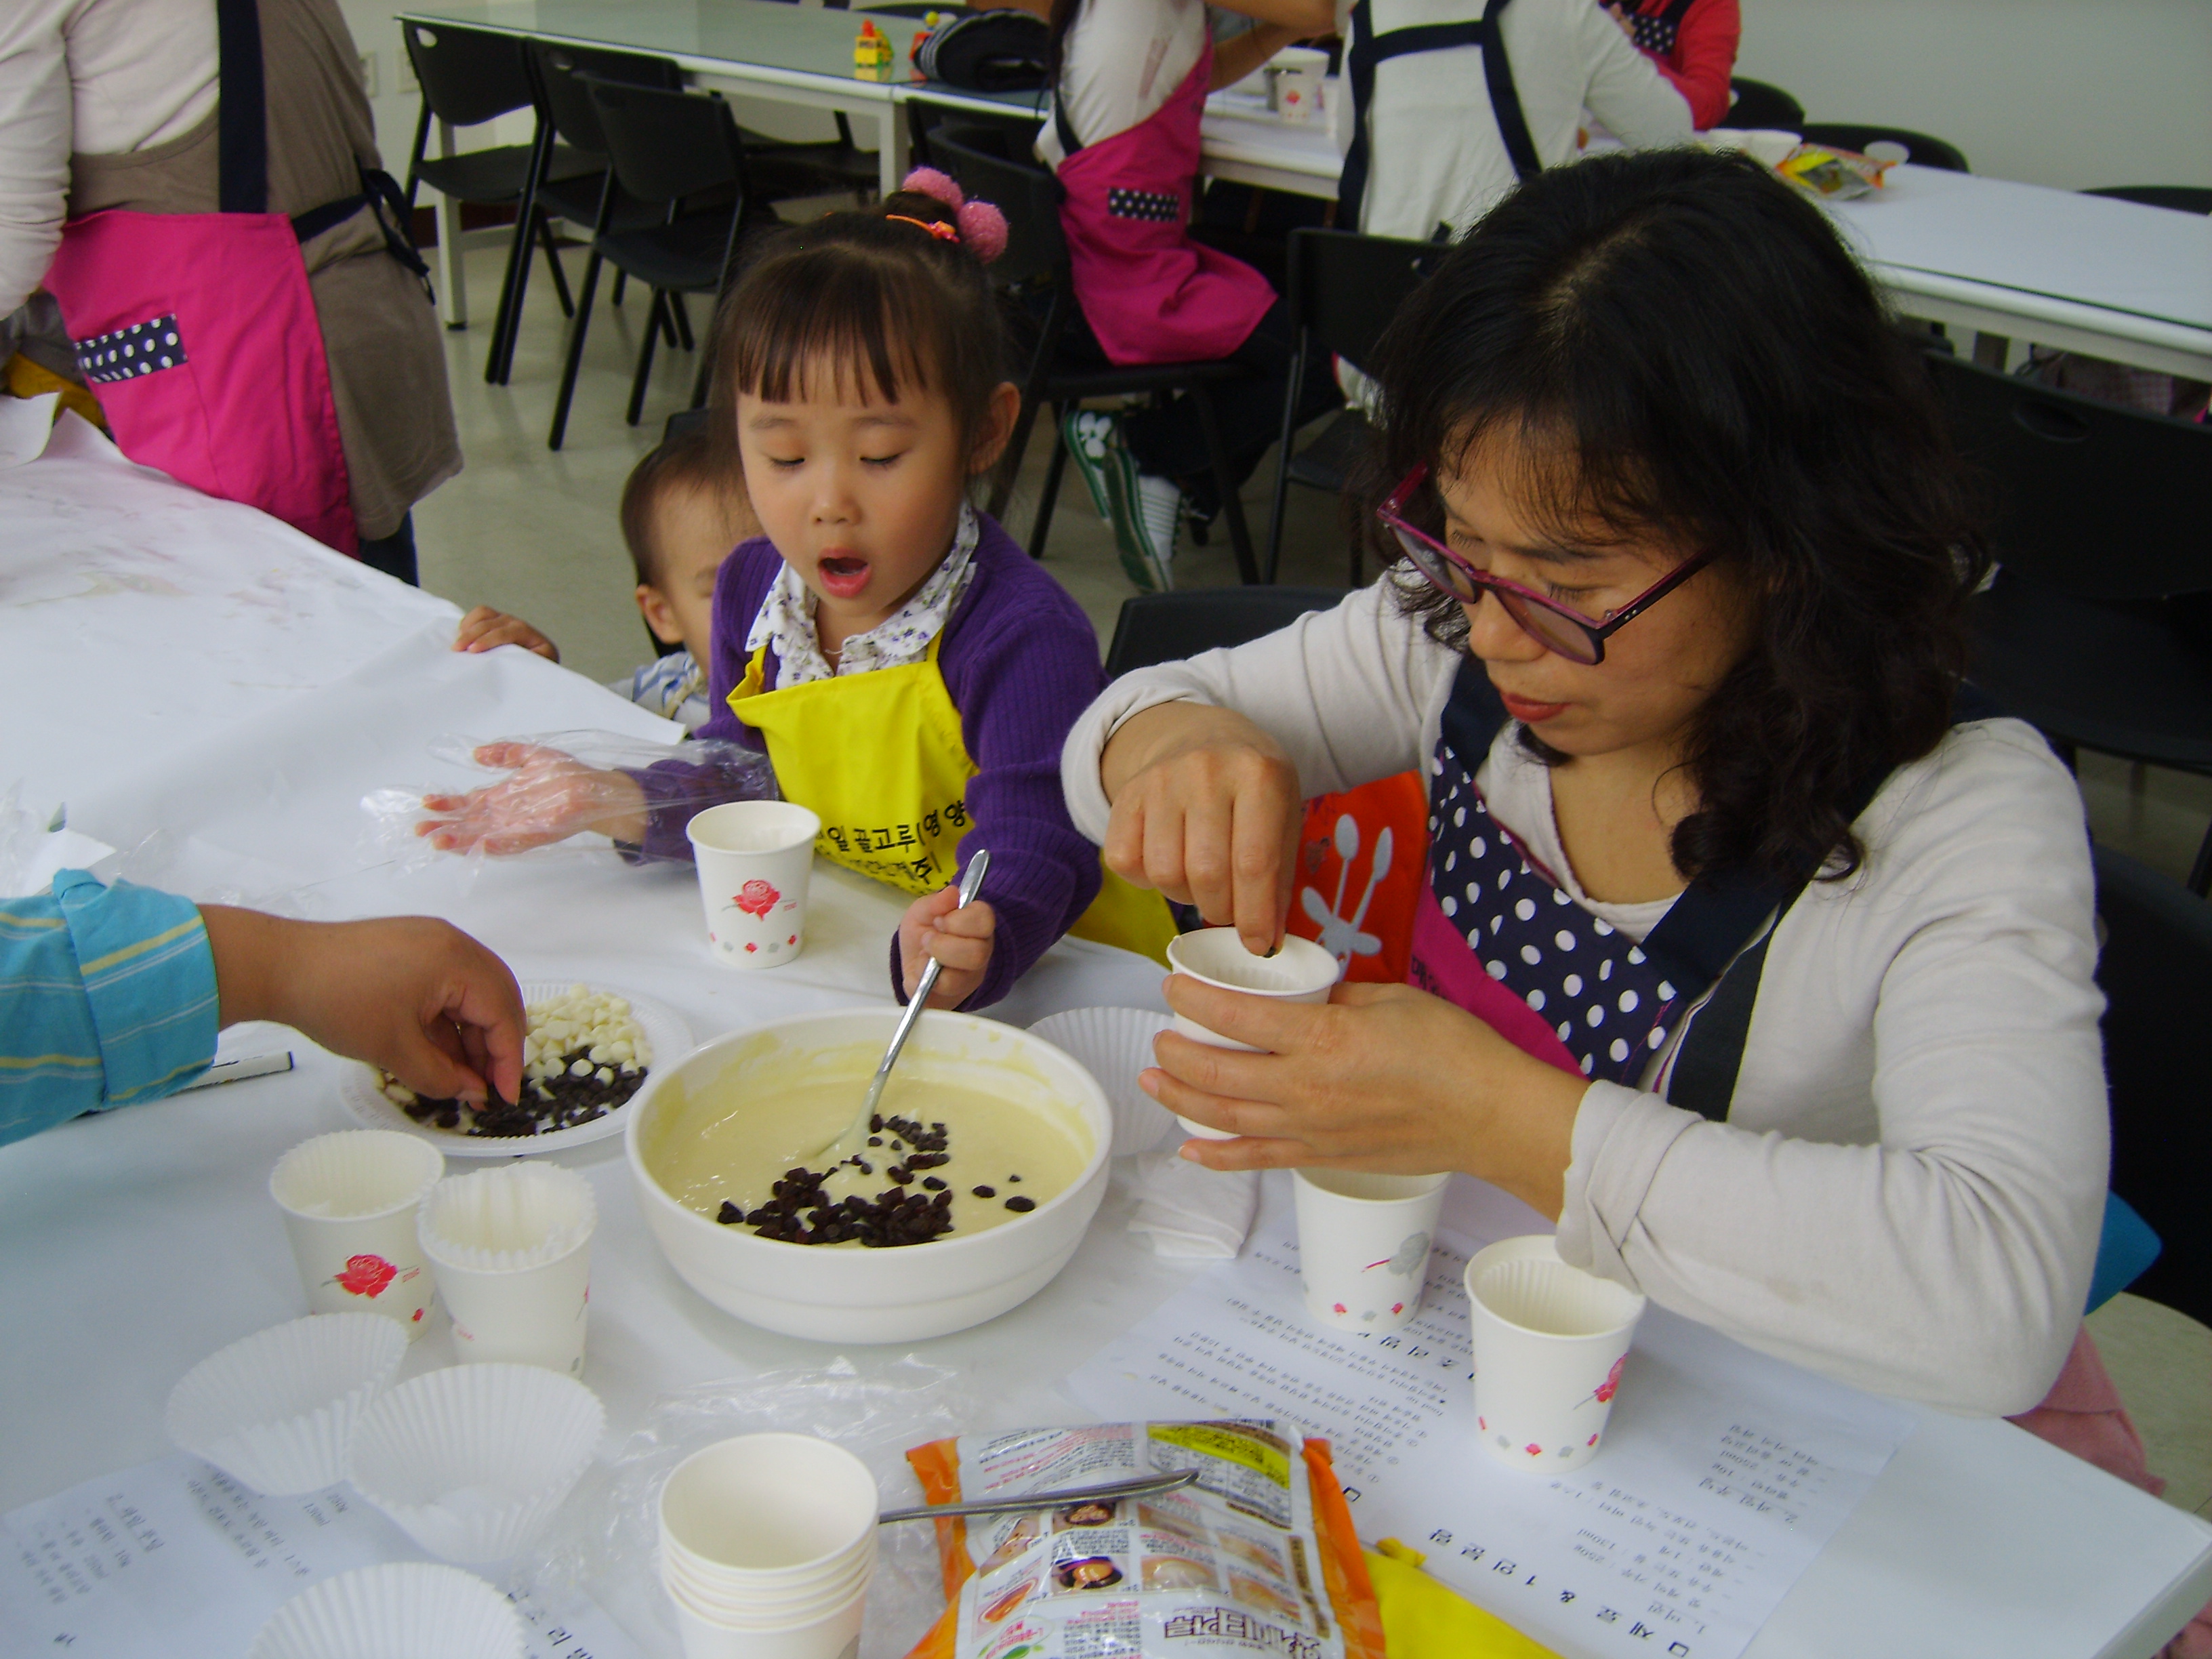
[911, 673]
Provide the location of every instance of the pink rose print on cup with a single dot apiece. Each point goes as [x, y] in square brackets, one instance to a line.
[1532, 1449]
[756, 897]
[365, 1275]
[1611, 1386]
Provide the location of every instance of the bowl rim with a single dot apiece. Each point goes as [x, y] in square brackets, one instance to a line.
[1101, 1126]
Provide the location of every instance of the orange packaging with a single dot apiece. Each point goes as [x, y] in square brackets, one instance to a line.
[1257, 1556]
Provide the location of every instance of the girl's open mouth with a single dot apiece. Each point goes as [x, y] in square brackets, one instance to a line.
[843, 574]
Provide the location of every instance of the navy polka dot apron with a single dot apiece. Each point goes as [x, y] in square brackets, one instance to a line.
[1655, 32]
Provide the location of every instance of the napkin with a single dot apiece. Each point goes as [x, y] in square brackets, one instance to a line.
[1189, 1210]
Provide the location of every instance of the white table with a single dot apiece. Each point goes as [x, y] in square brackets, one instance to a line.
[132, 1244]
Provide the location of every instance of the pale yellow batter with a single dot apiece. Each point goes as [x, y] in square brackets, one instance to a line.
[734, 1139]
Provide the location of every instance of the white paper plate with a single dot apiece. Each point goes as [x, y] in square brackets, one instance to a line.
[664, 1027]
[1114, 1045]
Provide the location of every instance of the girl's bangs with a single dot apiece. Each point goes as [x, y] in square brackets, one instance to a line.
[866, 336]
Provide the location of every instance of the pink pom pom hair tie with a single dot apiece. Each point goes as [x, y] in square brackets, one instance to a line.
[982, 228]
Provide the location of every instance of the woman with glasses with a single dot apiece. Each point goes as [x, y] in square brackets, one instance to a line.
[1750, 949]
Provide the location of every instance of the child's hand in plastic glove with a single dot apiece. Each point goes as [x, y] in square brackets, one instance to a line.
[485, 628]
[936, 925]
[547, 796]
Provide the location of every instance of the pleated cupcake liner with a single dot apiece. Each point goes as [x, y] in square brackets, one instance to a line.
[414, 1609]
[472, 1462]
[276, 1410]
[507, 1219]
[1114, 1045]
[354, 1174]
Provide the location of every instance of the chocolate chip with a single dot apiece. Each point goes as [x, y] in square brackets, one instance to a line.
[1021, 1206]
[933, 1183]
[987, 1192]
[1013, 1178]
[729, 1214]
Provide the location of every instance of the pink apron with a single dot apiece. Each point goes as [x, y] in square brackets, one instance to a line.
[1151, 294]
[198, 334]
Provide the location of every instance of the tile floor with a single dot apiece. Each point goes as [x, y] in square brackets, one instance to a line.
[533, 532]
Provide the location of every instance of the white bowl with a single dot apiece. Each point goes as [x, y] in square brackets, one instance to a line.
[903, 1294]
[409, 1607]
[276, 1409]
[472, 1462]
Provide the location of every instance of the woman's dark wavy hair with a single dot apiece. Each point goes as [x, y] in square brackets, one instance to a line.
[876, 300]
[1678, 343]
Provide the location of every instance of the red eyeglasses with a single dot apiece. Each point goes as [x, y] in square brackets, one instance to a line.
[1551, 625]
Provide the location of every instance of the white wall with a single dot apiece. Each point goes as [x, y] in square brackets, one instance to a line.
[2066, 93]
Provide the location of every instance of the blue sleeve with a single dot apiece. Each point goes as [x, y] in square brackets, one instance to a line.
[107, 997]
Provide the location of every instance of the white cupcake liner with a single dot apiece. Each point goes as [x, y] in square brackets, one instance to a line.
[355, 1174]
[506, 1219]
[277, 1409]
[1554, 1299]
[1114, 1045]
[411, 1609]
[472, 1462]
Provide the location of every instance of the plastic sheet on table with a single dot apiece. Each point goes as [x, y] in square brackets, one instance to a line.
[604, 1542]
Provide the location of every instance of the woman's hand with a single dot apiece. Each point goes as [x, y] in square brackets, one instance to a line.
[1206, 809]
[960, 936]
[549, 797]
[483, 628]
[416, 996]
[1383, 1077]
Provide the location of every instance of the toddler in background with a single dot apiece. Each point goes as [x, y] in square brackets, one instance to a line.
[911, 673]
[682, 509]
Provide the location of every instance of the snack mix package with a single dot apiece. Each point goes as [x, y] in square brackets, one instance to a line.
[1842, 173]
[1256, 1556]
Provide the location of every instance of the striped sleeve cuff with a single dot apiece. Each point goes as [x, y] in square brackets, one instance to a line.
[148, 980]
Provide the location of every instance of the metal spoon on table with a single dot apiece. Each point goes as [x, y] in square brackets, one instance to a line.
[1149, 1485]
[857, 1131]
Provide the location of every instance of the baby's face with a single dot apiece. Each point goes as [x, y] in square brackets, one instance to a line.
[693, 531]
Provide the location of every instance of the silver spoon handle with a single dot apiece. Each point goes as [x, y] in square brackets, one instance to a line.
[971, 882]
[1147, 1486]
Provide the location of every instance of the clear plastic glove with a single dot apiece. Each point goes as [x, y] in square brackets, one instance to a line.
[936, 924]
[548, 795]
[484, 629]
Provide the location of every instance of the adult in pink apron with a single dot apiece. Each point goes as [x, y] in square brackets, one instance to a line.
[1151, 294]
[198, 332]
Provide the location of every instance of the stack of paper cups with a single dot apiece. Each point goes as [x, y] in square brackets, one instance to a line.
[1364, 1244]
[756, 859]
[767, 1542]
[511, 1251]
[1550, 1344]
[350, 1200]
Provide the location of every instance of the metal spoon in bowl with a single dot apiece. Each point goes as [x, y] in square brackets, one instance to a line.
[857, 1131]
[1149, 1485]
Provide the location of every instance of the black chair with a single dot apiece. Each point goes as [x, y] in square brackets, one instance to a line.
[2180, 198]
[1034, 268]
[469, 76]
[2099, 528]
[682, 151]
[1154, 628]
[2154, 965]
[1759, 105]
[1920, 149]
[924, 116]
[1344, 289]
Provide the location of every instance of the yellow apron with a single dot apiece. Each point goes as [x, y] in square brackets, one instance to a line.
[880, 758]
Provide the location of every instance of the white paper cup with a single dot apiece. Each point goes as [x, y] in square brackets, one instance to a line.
[511, 1248]
[753, 1610]
[754, 858]
[832, 1635]
[1300, 972]
[1550, 1343]
[767, 1525]
[276, 1410]
[409, 1607]
[472, 1462]
[1294, 78]
[1364, 1244]
[349, 1201]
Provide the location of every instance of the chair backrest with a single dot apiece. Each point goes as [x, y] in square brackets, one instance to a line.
[1920, 149]
[2156, 963]
[1759, 104]
[1346, 287]
[1156, 627]
[561, 69]
[984, 161]
[2180, 198]
[2091, 497]
[664, 143]
[467, 76]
